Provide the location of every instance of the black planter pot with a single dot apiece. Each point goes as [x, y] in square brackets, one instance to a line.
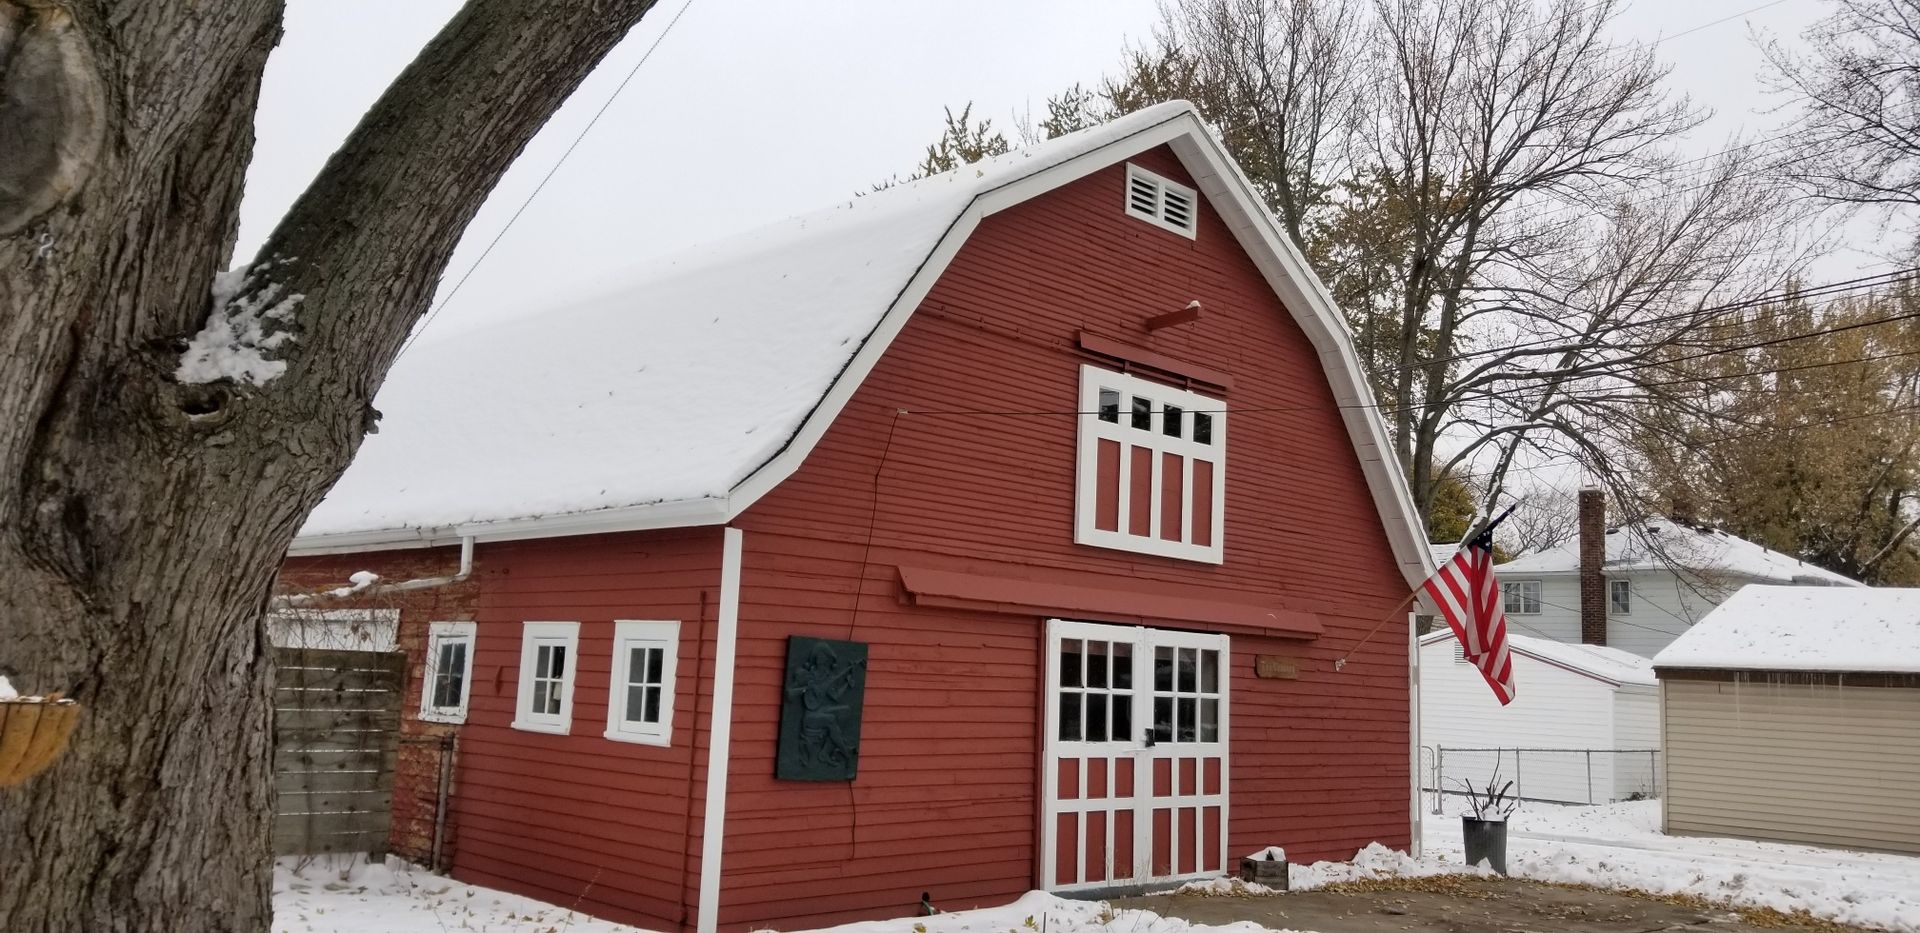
[1486, 841]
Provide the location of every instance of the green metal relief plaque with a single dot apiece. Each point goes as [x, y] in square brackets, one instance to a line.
[820, 714]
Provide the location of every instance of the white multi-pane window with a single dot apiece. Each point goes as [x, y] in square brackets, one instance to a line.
[1162, 201]
[1152, 468]
[1619, 597]
[640, 700]
[1522, 597]
[548, 651]
[443, 693]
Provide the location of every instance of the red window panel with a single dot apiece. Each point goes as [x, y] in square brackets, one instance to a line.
[1107, 494]
[1203, 503]
[1140, 518]
[1172, 491]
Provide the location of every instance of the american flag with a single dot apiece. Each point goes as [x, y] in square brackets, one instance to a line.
[1470, 598]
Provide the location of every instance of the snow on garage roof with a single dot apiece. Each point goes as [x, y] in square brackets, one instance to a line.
[679, 396]
[1800, 628]
[1597, 661]
[1648, 544]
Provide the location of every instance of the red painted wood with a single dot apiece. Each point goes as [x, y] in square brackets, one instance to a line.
[1163, 777]
[1142, 361]
[1212, 776]
[1162, 830]
[1122, 845]
[1188, 783]
[1172, 487]
[1189, 839]
[1106, 514]
[1097, 778]
[1123, 778]
[1140, 483]
[1069, 779]
[1186, 607]
[1096, 847]
[1066, 856]
[1203, 503]
[1210, 851]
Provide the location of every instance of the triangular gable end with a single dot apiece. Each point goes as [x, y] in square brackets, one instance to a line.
[1286, 272]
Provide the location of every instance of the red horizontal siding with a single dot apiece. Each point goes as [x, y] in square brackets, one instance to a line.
[950, 739]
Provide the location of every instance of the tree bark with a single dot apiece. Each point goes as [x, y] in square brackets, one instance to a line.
[143, 519]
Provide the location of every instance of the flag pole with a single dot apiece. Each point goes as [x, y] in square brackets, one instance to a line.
[1340, 662]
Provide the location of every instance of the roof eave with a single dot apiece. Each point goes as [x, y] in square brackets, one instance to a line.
[682, 513]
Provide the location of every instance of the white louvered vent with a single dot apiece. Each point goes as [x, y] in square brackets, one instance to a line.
[1459, 652]
[1161, 202]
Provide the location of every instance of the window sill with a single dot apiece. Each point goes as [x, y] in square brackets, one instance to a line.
[638, 738]
[555, 728]
[454, 719]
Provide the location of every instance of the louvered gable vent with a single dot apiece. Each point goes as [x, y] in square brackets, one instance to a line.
[1161, 202]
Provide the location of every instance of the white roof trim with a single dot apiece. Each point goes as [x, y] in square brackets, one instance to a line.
[1569, 664]
[1230, 193]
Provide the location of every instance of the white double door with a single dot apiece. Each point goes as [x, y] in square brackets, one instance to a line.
[1135, 782]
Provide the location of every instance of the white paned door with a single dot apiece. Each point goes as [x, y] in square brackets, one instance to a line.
[1135, 782]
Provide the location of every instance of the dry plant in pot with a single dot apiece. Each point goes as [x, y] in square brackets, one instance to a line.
[1483, 829]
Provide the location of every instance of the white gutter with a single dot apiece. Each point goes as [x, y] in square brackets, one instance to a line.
[720, 734]
[358, 591]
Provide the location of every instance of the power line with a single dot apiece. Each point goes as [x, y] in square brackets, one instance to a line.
[522, 209]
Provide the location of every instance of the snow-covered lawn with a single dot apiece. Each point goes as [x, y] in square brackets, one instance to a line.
[346, 895]
[1621, 846]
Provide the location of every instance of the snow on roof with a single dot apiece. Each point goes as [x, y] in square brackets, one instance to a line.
[1650, 544]
[1442, 553]
[1599, 661]
[1796, 628]
[672, 386]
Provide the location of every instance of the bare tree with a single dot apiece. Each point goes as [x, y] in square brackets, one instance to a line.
[1856, 81]
[165, 429]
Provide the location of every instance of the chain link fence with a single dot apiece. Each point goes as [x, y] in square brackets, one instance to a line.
[1548, 775]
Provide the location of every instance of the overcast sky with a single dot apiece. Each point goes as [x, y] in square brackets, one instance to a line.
[753, 111]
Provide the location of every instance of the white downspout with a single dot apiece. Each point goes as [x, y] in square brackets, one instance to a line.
[1418, 843]
[720, 734]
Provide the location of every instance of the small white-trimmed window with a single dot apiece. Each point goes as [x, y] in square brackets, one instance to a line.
[1152, 468]
[548, 651]
[1619, 597]
[443, 693]
[640, 700]
[1522, 597]
[1162, 201]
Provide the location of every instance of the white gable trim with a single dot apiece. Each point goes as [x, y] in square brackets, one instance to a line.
[1229, 192]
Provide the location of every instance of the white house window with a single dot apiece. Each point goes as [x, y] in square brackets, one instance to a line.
[443, 693]
[640, 703]
[548, 651]
[1152, 468]
[1522, 597]
[1162, 201]
[1619, 597]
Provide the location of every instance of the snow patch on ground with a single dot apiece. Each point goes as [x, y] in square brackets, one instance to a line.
[345, 894]
[1621, 846]
[1037, 911]
[6, 690]
[1372, 863]
[1225, 887]
[234, 343]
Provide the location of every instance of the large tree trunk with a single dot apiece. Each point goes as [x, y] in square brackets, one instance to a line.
[144, 509]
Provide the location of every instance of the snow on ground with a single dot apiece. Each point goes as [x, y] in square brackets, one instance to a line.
[344, 894]
[1039, 912]
[1620, 846]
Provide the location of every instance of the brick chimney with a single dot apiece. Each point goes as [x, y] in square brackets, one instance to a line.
[1593, 559]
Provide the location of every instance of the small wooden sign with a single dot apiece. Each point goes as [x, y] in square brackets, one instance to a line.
[1274, 667]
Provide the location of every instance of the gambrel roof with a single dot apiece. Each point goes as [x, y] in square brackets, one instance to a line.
[679, 396]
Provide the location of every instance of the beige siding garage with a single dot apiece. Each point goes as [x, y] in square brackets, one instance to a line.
[1794, 758]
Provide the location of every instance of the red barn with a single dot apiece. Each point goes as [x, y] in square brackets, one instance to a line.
[1029, 526]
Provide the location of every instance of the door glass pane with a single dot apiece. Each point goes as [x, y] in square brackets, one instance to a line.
[1070, 662]
[1186, 732]
[1122, 666]
[1163, 719]
[1096, 717]
[1097, 664]
[1163, 669]
[1187, 664]
[1209, 672]
[1123, 717]
[1069, 717]
[1209, 720]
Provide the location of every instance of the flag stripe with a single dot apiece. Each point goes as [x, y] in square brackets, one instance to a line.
[1469, 596]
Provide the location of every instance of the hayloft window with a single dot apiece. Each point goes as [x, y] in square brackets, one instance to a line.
[1110, 406]
[640, 707]
[1522, 597]
[1156, 484]
[1161, 201]
[548, 651]
[443, 691]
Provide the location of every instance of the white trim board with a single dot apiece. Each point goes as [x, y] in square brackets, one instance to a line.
[720, 733]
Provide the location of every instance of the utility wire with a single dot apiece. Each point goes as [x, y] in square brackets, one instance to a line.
[522, 209]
